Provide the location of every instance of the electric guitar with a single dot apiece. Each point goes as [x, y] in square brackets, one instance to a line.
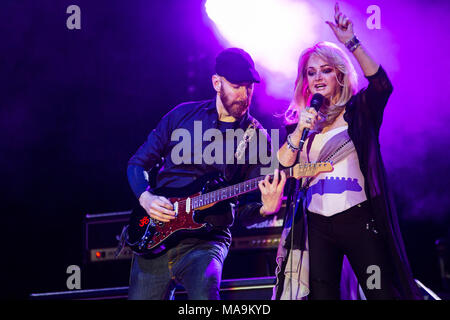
[144, 234]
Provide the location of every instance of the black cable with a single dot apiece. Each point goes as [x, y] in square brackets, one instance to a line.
[296, 201]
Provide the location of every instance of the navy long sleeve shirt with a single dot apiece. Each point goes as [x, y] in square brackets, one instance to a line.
[193, 120]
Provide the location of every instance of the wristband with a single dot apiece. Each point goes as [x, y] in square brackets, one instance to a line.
[352, 44]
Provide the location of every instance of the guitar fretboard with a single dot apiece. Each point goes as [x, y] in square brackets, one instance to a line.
[235, 190]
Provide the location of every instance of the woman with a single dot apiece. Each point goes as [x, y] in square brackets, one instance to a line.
[348, 211]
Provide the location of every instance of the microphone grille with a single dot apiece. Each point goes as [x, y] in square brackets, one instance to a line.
[317, 101]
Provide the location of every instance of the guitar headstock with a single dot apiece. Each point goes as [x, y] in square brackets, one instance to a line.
[310, 169]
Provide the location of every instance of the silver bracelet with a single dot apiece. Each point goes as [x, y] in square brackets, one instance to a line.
[290, 145]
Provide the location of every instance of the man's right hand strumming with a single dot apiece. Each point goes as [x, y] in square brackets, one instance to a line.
[157, 207]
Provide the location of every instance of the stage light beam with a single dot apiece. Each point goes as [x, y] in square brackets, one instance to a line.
[272, 31]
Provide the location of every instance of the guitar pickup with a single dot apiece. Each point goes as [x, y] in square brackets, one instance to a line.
[175, 208]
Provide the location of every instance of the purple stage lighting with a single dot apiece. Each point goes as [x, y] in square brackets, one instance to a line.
[273, 31]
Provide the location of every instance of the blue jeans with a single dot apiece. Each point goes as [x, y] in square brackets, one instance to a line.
[194, 263]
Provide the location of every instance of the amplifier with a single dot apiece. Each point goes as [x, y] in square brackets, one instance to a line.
[107, 254]
[252, 252]
[255, 242]
[101, 232]
[263, 235]
[100, 266]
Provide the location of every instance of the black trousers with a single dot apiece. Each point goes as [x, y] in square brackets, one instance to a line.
[352, 233]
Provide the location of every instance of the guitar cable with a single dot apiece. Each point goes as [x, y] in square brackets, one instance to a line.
[292, 236]
[295, 208]
[296, 200]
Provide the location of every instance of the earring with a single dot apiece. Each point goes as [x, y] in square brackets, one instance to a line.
[337, 79]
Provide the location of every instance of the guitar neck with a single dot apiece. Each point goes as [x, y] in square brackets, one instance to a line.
[246, 186]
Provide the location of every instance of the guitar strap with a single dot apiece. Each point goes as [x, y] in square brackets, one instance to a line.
[246, 138]
[239, 154]
[334, 150]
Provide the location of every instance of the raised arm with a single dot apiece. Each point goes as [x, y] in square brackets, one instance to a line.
[343, 30]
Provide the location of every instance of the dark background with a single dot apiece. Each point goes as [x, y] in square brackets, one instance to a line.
[76, 104]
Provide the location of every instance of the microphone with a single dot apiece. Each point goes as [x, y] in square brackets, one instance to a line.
[316, 103]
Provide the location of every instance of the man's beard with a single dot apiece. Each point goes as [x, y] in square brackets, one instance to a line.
[236, 109]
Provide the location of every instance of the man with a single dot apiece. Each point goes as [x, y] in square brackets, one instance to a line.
[195, 260]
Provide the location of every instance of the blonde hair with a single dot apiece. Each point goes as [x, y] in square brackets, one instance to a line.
[345, 75]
